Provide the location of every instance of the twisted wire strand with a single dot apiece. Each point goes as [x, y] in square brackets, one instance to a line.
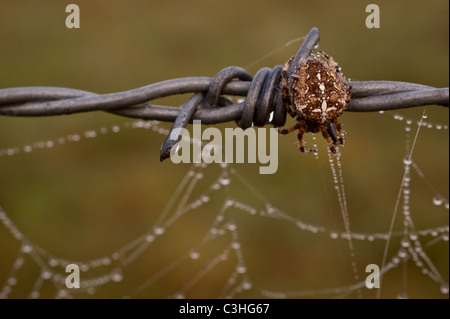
[209, 102]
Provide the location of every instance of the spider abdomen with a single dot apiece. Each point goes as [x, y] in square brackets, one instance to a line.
[318, 91]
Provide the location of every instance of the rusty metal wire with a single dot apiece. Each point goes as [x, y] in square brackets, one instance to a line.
[211, 101]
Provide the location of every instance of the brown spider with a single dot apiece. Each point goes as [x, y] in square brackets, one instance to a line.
[316, 95]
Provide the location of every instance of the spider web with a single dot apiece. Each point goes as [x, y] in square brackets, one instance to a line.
[219, 232]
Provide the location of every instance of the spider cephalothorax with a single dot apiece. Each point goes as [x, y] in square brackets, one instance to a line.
[316, 95]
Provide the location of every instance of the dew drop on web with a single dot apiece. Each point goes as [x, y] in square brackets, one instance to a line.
[194, 254]
[149, 238]
[407, 161]
[27, 249]
[241, 269]
[179, 295]
[116, 275]
[444, 288]
[158, 229]
[46, 274]
[437, 200]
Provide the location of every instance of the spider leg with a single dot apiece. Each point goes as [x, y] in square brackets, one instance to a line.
[301, 143]
[331, 130]
[302, 130]
[331, 61]
[285, 89]
[330, 143]
[340, 132]
[289, 109]
[296, 126]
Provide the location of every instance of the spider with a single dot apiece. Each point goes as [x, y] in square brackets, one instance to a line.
[316, 95]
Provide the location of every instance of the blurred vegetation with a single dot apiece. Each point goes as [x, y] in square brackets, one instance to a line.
[85, 200]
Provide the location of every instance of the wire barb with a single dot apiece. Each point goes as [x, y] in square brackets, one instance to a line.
[210, 101]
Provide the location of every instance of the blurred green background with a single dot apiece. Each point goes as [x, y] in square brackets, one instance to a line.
[87, 199]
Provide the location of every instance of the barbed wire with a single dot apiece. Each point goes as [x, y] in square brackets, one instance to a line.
[211, 102]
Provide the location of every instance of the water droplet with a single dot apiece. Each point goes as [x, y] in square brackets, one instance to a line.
[204, 199]
[19, 263]
[241, 269]
[46, 274]
[229, 202]
[224, 181]
[84, 267]
[413, 236]
[27, 249]
[158, 229]
[199, 176]
[53, 262]
[313, 229]
[438, 199]
[115, 256]
[232, 226]
[28, 148]
[235, 245]
[334, 235]
[179, 295]
[215, 186]
[381, 112]
[35, 294]
[91, 290]
[444, 289]
[75, 137]
[12, 281]
[402, 295]
[301, 225]
[194, 254]
[149, 238]
[424, 116]
[402, 253]
[106, 261]
[246, 284]
[90, 134]
[407, 161]
[116, 275]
